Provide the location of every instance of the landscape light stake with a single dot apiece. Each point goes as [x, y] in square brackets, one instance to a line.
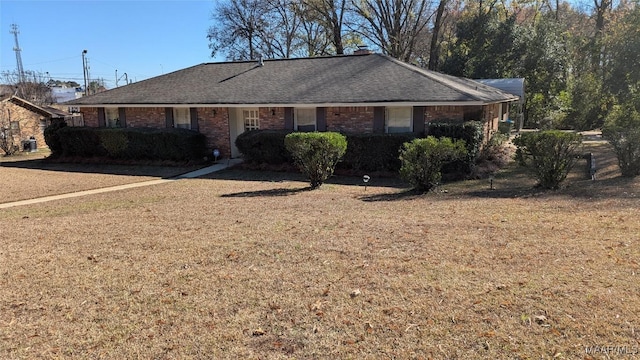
[366, 179]
[491, 183]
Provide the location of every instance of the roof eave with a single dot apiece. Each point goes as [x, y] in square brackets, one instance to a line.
[325, 104]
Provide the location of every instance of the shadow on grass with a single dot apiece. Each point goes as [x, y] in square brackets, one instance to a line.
[164, 170]
[402, 195]
[239, 174]
[270, 192]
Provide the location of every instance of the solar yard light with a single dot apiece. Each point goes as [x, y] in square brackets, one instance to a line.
[216, 153]
[366, 179]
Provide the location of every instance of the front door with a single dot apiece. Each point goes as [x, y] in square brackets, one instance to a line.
[241, 120]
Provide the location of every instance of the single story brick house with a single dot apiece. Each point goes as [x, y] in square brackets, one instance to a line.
[360, 93]
[25, 120]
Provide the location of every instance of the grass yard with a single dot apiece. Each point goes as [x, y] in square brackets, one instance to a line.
[250, 265]
[27, 176]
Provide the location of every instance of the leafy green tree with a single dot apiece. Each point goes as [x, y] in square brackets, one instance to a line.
[316, 154]
[422, 160]
[622, 130]
[549, 155]
[486, 45]
[623, 42]
[544, 68]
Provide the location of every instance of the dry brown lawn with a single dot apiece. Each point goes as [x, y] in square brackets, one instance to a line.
[27, 176]
[249, 265]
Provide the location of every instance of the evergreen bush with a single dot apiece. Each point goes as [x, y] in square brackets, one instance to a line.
[132, 143]
[472, 134]
[52, 138]
[622, 130]
[374, 152]
[316, 153]
[422, 160]
[264, 146]
[549, 155]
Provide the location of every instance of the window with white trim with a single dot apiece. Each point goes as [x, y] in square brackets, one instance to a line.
[111, 117]
[305, 119]
[251, 119]
[398, 120]
[181, 118]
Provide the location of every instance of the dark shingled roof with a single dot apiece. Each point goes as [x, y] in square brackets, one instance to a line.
[350, 79]
[43, 110]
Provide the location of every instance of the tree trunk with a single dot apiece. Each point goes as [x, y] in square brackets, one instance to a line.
[434, 49]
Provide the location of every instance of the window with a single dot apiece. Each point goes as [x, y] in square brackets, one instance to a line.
[15, 125]
[181, 118]
[251, 119]
[305, 119]
[399, 120]
[111, 117]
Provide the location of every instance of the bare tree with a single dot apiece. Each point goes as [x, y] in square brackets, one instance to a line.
[394, 25]
[237, 29]
[6, 134]
[330, 14]
[280, 37]
[313, 35]
[34, 87]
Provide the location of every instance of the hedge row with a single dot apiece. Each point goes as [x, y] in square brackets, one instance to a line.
[472, 134]
[129, 143]
[374, 152]
[264, 146]
[366, 152]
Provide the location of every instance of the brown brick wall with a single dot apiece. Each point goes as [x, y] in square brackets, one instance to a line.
[90, 116]
[444, 114]
[28, 123]
[145, 117]
[350, 119]
[271, 118]
[491, 118]
[213, 122]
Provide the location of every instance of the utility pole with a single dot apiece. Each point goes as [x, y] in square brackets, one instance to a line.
[125, 76]
[84, 72]
[15, 32]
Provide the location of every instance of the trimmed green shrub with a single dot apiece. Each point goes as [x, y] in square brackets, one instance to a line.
[132, 143]
[504, 127]
[316, 154]
[52, 138]
[472, 134]
[114, 142]
[622, 130]
[264, 146]
[374, 152]
[549, 155]
[422, 160]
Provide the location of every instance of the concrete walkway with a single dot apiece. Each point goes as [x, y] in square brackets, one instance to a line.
[221, 165]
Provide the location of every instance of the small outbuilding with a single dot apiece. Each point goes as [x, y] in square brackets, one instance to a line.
[25, 121]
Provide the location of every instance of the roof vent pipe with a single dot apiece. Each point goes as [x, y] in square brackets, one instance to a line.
[260, 61]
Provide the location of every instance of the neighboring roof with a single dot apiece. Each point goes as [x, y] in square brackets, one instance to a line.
[42, 110]
[513, 86]
[348, 79]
